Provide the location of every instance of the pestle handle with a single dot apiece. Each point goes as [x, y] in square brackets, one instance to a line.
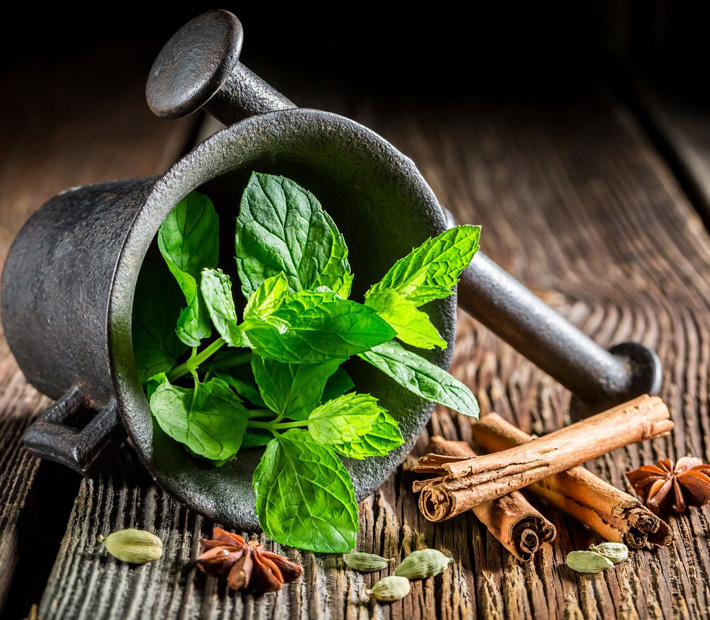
[199, 68]
[598, 378]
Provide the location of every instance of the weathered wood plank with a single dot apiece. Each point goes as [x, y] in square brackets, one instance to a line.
[576, 203]
[675, 105]
[58, 133]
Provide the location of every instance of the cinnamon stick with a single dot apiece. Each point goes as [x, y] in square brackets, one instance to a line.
[463, 484]
[614, 515]
[517, 525]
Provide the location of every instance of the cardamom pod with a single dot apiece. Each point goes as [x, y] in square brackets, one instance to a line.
[135, 546]
[390, 589]
[366, 562]
[588, 561]
[616, 552]
[422, 564]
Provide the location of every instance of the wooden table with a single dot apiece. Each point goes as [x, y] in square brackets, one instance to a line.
[574, 200]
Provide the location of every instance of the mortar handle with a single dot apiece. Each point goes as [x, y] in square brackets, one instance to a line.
[54, 437]
[199, 68]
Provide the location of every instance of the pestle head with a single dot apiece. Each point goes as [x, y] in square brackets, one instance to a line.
[194, 64]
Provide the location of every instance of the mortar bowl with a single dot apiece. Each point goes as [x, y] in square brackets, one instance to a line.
[69, 282]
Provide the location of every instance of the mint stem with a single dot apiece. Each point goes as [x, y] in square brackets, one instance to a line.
[291, 424]
[195, 360]
[271, 426]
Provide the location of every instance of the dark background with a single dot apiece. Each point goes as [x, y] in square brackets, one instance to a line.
[444, 48]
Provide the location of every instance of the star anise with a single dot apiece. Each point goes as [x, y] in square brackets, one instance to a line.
[246, 565]
[668, 487]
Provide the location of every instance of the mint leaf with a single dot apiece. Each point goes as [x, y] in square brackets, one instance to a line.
[189, 241]
[155, 311]
[304, 495]
[338, 384]
[292, 390]
[336, 274]
[256, 438]
[280, 228]
[209, 419]
[189, 235]
[153, 383]
[429, 271]
[244, 388]
[320, 326]
[355, 426]
[216, 289]
[228, 360]
[412, 325]
[193, 324]
[267, 298]
[422, 377]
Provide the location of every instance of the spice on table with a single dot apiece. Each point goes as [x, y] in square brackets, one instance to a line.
[463, 484]
[246, 565]
[390, 589]
[423, 564]
[669, 487]
[511, 519]
[588, 561]
[134, 546]
[598, 558]
[616, 552]
[366, 562]
[613, 514]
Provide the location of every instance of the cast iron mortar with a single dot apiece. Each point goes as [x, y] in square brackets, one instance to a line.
[68, 284]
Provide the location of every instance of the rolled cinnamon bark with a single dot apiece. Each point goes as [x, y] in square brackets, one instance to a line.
[614, 515]
[511, 519]
[463, 484]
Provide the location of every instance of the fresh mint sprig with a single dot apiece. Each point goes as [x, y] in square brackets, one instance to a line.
[276, 379]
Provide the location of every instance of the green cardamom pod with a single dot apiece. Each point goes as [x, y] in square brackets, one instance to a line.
[135, 546]
[390, 589]
[422, 564]
[366, 562]
[616, 552]
[588, 561]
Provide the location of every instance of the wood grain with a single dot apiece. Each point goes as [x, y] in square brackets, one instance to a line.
[58, 133]
[574, 201]
[674, 106]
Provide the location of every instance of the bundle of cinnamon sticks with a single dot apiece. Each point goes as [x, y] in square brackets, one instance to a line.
[548, 467]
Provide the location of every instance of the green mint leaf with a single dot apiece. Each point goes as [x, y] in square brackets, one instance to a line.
[155, 311]
[256, 438]
[336, 275]
[320, 326]
[427, 271]
[355, 425]
[267, 298]
[244, 388]
[209, 419]
[304, 495]
[189, 241]
[412, 325]
[153, 383]
[216, 289]
[193, 324]
[424, 294]
[292, 390]
[228, 360]
[422, 377]
[280, 228]
[338, 384]
[189, 236]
